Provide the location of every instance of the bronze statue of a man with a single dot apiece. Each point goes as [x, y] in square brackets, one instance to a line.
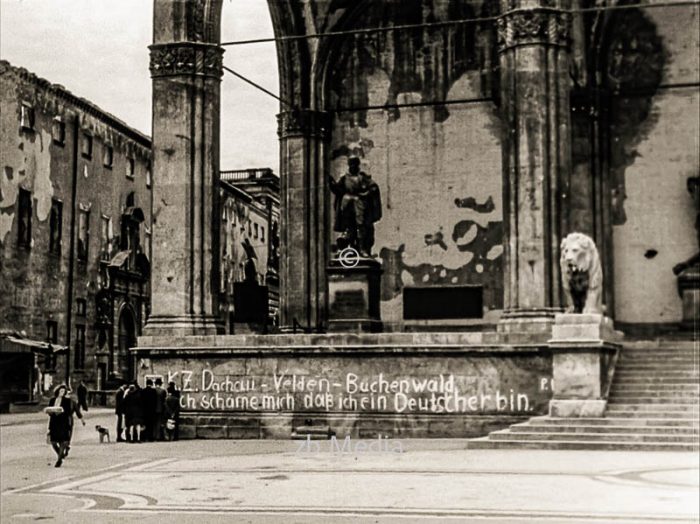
[357, 207]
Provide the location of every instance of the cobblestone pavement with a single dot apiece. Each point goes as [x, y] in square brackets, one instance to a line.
[284, 481]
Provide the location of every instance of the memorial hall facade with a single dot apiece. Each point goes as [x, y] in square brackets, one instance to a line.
[492, 128]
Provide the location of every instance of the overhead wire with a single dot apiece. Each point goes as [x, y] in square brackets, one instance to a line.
[404, 27]
[676, 3]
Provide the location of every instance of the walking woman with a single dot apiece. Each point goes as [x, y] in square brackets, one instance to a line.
[59, 422]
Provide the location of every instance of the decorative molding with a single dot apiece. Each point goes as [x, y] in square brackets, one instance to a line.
[543, 26]
[195, 18]
[186, 58]
[303, 123]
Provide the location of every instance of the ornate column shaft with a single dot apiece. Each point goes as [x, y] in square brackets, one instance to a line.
[534, 48]
[304, 220]
[186, 104]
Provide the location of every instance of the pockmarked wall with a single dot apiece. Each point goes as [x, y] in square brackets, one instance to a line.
[66, 147]
[655, 147]
[418, 108]
[438, 394]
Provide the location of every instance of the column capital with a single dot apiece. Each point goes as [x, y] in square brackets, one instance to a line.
[304, 123]
[186, 59]
[536, 26]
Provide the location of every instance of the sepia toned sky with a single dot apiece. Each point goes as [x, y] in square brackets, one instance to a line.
[98, 50]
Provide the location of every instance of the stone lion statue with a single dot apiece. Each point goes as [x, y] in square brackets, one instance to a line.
[581, 274]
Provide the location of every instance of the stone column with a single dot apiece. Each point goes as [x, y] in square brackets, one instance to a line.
[534, 48]
[186, 74]
[304, 220]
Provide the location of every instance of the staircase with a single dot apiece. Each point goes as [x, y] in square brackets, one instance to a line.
[653, 406]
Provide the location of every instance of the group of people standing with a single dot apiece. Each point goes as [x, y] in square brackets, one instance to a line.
[147, 414]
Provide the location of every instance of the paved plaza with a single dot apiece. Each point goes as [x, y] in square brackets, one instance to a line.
[285, 481]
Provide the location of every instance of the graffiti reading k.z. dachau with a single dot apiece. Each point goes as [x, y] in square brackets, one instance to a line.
[442, 393]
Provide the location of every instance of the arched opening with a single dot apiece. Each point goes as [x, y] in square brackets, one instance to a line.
[420, 108]
[123, 363]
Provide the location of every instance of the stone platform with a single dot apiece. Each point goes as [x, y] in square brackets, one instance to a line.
[358, 385]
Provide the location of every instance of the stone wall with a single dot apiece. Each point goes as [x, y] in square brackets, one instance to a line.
[421, 385]
[432, 144]
[655, 130]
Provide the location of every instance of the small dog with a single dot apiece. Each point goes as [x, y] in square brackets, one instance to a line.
[104, 433]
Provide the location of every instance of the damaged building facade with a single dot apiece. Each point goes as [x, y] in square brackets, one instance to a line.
[493, 130]
[75, 219]
[249, 292]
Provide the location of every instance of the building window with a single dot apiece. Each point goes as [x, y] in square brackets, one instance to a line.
[148, 176]
[80, 307]
[83, 234]
[58, 131]
[255, 228]
[24, 222]
[86, 145]
[108, 156]
[51, 338]
[106, 233]
[130, 167]
[55, 227]
[79, 346]
[262, 234]
[148, 241]
[26, 117]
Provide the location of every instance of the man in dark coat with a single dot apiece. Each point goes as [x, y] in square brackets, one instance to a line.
[159, 422]
[119, 411]
[172, 411]
[82, 395]
[357, 207]
[149, 400]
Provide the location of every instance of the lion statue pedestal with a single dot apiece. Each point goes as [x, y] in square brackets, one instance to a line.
[584, 344]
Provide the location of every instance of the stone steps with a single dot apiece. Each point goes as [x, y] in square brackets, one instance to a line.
[650, 381]
[628, 398]
[654, 414]
[508, 434]
[689, 407]
[603, 428]
[611, 421]
[654, 405]
[486, 443]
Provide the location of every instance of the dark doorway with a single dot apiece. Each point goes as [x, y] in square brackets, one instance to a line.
[127, 339]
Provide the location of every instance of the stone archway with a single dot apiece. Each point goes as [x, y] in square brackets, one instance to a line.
[186, 66]
[126, 338]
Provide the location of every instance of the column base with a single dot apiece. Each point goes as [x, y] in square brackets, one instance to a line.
[353, 297]
[689, 290]
[526, 326]
[584, 352]
[183, 325]
[577, 408]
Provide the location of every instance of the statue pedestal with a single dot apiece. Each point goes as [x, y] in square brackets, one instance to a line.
[353, 297]
[584, 350]
[689, 290]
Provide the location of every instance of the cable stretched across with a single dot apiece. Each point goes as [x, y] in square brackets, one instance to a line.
[369, 30]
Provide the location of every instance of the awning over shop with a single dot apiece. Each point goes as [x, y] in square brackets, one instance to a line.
[119, 259]
[16, 343]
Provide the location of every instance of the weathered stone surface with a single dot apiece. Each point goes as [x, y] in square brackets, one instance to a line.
[355, 387]
[353, 297]
[571, 328]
